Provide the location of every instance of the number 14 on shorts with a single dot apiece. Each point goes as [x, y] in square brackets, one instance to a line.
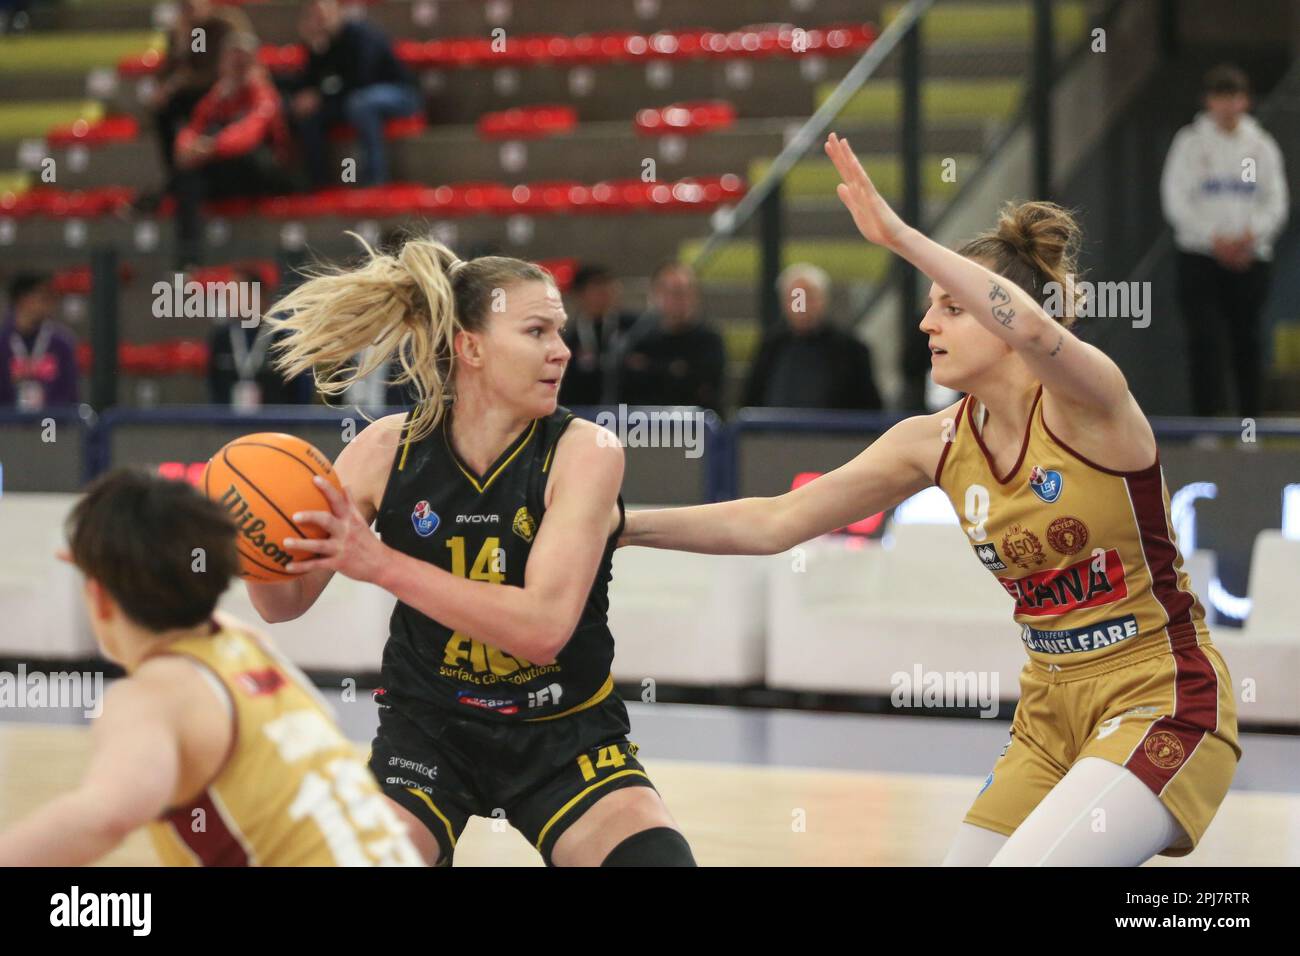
[611, 757]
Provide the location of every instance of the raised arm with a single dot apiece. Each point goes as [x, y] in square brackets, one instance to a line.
[1073, 371]
[894, 467]
[533, 622]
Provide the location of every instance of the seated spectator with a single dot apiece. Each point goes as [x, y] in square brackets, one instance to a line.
[808, 362]
[236, 144]
[187, 74]
[595, 335]
[38, 356]
[240, 370]
[352, 76]
[672, 357]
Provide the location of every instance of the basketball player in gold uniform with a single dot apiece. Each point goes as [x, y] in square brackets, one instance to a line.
[216, 743]
[1124, 741]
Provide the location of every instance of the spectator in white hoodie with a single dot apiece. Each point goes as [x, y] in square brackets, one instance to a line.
[1224, 192]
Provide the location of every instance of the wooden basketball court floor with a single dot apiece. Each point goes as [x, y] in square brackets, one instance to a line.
[748, 811]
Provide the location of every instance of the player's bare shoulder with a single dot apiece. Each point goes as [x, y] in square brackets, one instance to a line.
[922, 438]
[589, 435]
[366, 461]
[586, 451]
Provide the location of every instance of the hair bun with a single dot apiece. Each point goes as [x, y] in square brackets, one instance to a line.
[1046, 234]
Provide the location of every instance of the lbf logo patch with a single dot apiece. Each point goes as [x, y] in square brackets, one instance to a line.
[424, 519]
[1045, 484]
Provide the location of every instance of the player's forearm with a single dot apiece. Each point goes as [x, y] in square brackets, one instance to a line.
[72, 830]
[510, 618]
[996, 303]
[744, 526]
[282, 601]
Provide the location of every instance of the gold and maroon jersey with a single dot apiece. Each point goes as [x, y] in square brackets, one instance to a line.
[1087, 552]
[292, 790]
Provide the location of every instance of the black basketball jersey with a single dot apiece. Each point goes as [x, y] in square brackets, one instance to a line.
[483, 527]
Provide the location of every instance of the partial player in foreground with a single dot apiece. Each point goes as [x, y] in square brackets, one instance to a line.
[1124, 741]
[216, 743]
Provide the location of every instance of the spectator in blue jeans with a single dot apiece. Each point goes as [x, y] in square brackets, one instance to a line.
[352, 76]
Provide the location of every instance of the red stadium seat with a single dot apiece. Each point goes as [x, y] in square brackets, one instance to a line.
[289, 58]
[111, 129]
[400, 127]
[685, 119]
[562, 269]
[546, 49]
[140, 64]
[547, 197]
[268, 272]
[528, 122]
[76, 280]
[183, 357]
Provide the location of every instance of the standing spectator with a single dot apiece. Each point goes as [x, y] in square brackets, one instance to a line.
[673, 358]
[240, 369]
[595, 335]
[1224, 192]
[188, 73]
[352, 76]
[38, 356]
[809, 363]
[236, 144]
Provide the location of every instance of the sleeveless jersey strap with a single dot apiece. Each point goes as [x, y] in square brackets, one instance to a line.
[553, 432]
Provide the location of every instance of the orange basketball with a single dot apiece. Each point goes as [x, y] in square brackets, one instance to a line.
[262, 480]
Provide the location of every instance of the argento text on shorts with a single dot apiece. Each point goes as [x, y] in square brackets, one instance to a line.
[75, 908]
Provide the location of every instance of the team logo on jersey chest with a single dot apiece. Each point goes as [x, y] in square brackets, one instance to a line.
[424, 518]
[1023, 547]
[1045, 484]
[524, 525]
[988, 555]
[1067, 535]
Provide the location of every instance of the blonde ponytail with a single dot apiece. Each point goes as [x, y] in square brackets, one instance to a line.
[407, 306]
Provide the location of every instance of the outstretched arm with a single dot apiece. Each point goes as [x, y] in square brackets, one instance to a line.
[895, 466]
[131, 777]
[1070, 369]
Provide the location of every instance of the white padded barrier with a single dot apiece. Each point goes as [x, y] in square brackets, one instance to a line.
[1266, 652]
[42, 610]
[687, 618]
[858, 613]
[345, 630]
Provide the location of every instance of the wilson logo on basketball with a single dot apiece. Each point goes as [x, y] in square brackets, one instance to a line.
[251, 527]
[1164, 750]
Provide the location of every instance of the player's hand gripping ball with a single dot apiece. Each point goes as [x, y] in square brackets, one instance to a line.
[261, 481]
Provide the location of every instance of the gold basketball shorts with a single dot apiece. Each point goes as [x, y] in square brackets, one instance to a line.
[1168, 716]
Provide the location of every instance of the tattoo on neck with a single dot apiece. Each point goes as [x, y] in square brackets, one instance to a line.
[1059, 342]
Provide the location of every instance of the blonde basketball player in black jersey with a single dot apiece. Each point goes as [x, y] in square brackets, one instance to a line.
[1124, 739]
[498, 515]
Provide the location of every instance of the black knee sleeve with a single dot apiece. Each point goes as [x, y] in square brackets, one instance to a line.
[658, 846]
